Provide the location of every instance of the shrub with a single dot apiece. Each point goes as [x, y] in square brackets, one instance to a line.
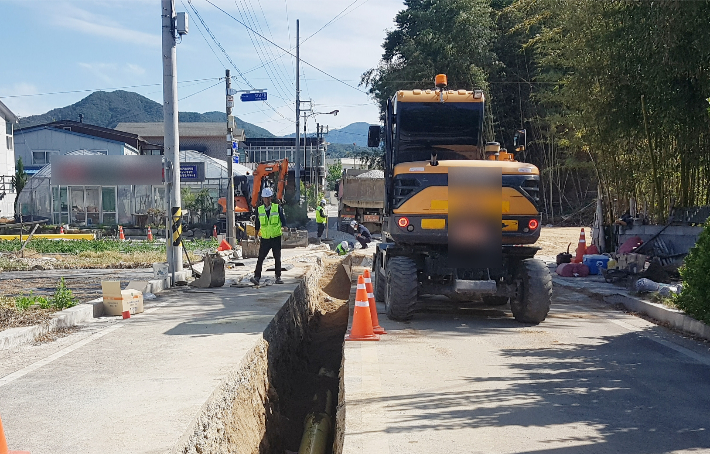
[694, 299]
[63, 297]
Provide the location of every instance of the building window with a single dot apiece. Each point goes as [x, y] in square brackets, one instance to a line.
[9, 142]
[42, 157]
[103, 152]
[8, 128]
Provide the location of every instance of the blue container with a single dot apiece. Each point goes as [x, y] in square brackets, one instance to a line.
[595, 262]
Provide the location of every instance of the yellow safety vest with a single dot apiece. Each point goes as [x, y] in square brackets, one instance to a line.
[320, 219]
[270, 225]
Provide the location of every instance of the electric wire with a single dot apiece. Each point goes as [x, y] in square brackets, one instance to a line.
[204, 89]
[260, 51]
[230, 59]
[206, 41]
[285, 50]
[99, 89]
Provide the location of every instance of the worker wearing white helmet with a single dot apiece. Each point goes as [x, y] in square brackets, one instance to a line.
[269, 223]
[362, 235]
[321, 218]
[344, 248]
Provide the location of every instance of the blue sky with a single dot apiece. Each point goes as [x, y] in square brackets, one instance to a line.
[58, 46]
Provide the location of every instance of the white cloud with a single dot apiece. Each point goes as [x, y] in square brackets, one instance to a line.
[134, 69]
[102, 71]
[68, 15]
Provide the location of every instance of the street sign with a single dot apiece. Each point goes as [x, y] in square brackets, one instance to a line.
[231, 91]
[255, 96]
[230, 101]
[235, 158]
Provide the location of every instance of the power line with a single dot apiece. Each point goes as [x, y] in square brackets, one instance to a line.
[207, 42]
[204, 89]
[99, 89]
[285, 50]
[230, 60]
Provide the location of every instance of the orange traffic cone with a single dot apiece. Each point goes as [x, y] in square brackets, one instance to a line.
[214, 231]
[376, 328]
[362, 322]
[61, 230]
[150, 234]
[224, 246]
[121, 236]
[3, 444]
[581, 248]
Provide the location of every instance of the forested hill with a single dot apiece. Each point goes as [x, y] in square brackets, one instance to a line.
[612, 93]
[108, 109]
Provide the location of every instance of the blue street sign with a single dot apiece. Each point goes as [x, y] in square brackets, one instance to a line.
[235, 159]
[255, 96]
[234, 145]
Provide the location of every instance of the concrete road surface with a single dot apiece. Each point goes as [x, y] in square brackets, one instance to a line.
[134, 386]
[588, 380]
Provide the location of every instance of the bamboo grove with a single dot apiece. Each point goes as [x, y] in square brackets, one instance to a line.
[613, 93]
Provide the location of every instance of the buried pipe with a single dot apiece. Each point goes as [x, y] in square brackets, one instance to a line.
[317, 429]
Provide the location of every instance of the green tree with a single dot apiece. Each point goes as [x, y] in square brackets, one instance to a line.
[694, 298]
[19, 180]
[430, 37]
[335, 172]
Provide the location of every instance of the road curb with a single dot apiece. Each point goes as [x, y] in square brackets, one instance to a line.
[81, 313]
[674, 318]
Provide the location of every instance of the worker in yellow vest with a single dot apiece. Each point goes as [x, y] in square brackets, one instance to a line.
[269, 222]
[321, 218]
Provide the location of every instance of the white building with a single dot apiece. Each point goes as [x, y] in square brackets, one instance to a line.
[7, 161]
[36, 145]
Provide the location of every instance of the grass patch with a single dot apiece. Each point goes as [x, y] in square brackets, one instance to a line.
[47, 246]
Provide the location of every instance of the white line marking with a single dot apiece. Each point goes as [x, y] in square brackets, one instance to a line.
[65, 351]
[689, 353]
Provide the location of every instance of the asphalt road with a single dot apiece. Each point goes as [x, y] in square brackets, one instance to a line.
[590, 379]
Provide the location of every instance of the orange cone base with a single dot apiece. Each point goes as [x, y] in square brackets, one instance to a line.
[379, 330]
[368, 337]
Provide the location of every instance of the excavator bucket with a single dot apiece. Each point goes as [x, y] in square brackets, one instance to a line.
[293, 238]
[212, 272]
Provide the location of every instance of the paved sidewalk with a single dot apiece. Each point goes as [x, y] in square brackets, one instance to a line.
[134, 386]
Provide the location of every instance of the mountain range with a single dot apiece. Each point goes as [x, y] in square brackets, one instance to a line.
[108, 109]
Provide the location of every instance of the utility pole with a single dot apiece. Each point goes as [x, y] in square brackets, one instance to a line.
[230, 163]
[172, 139]
[297, 164]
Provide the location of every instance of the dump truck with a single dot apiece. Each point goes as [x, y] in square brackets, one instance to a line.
[461, 217]
[361, 199]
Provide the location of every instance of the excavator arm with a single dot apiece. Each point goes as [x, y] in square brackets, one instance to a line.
[265, 169]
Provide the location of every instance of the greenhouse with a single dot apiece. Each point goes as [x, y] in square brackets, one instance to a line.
[123, 204]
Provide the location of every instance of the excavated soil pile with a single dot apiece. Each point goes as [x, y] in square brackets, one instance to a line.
[261, 407]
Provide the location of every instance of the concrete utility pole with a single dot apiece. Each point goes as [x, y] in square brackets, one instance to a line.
[172, 140]
[297, 164]
[230, 163]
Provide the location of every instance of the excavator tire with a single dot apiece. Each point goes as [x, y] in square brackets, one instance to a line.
[534, 294]
[401, 291]
[378, 282]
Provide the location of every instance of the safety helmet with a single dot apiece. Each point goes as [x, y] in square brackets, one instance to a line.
[323, 202]
[344, 244]
[353, 224]
[267, 192]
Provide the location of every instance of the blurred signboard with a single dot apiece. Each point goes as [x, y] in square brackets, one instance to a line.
[106, 170]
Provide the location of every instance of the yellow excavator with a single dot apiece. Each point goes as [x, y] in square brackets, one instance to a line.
[461, 217]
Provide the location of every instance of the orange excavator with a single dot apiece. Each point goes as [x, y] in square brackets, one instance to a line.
[244, 202]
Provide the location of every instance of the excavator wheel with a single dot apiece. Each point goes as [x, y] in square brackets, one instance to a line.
[401, 289]
[534, 292]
